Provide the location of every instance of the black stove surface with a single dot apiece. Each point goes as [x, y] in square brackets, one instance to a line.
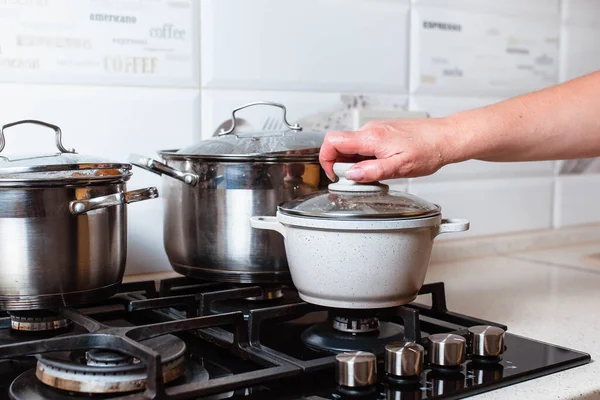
[259, 352]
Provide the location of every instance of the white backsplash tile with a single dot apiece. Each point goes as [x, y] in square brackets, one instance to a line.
[580, 51]
[312, 110]
[493, 206]
[576, 200]
[580, 166]
[110, 123]
[466, 53]
[322, 60]
[440, 106]
[100, 42]
[475, 169]
[509, 7]
[581, 12]
[312, 45]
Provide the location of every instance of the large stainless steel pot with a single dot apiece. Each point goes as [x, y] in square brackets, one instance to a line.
[358, 246]
[63, 227]
[212, 188]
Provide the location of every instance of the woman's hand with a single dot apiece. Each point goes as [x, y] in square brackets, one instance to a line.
[392, 149]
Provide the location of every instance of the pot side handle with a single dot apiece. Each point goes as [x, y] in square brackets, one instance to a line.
[78, 207]
[453, 225]
[159, 168]
[268, 223]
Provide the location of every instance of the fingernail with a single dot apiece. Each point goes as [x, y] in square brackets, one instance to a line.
[355, 174]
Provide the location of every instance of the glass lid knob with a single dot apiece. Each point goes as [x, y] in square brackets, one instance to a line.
[347, 185]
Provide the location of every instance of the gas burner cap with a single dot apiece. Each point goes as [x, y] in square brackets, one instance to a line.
[37, 320]
[355, 325]
[104, 358]
[109, 371]
[324, 338]
[26, 386]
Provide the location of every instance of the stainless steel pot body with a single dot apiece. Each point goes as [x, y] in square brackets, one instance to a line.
[63, 245]
[208, 206]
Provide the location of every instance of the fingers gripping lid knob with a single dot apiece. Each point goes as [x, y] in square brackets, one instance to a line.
[404, 359]
[447, 350]
[356, 369]
[486, 341]
[347, 185]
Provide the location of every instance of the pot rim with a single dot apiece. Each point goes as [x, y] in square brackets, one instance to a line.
[65, 167]
[362, 217]
[41, 182]
[363, 224]
[171, 154]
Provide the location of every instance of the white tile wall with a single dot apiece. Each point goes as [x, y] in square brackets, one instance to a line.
[580, 51]
[321, 58]
[493, 206]
[509, 7]
[311, 45]
[581, 12]
[110, 123]
[462, 53]
[576, 200]
[99, 42]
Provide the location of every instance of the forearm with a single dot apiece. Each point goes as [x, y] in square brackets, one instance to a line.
[560, 122]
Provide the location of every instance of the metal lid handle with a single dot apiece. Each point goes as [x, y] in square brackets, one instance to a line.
[294, 127]
[58, 134]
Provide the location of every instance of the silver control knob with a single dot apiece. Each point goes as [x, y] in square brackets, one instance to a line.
[447, 350]
[487, 341]
[356, 369]
[404, 359]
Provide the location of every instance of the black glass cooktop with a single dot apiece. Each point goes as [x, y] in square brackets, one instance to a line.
[209, 350]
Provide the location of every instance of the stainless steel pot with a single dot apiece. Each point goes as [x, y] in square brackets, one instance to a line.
[63, 227]
[358, 246]
[212, 188]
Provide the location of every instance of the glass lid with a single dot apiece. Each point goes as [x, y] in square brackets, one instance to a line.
[65, 165]
[347, 199]
[278, 139]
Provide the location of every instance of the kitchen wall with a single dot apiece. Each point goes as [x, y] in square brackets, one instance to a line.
[123, 76]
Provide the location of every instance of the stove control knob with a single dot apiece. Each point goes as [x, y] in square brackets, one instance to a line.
[404, 359]
[447, 350]
[356, 369]
[487, 341]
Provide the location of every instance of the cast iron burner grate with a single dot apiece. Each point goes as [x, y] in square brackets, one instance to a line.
[262, 356]
[146, 343]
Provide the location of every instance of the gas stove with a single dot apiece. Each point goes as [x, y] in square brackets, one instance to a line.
[191, 339]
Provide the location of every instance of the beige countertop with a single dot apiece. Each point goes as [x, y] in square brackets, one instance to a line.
[551, 295]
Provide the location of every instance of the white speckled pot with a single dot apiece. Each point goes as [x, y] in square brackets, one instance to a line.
[358, 264]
